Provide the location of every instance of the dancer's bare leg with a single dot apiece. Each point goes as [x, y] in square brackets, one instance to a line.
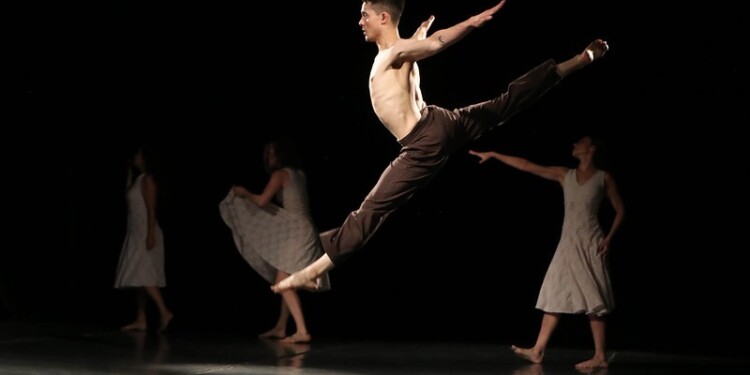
[306, 278]
[140, 317]
[536, 353]
[165, 315]
[279, 330]
[594, 51]
[599, 360]
[291, 299]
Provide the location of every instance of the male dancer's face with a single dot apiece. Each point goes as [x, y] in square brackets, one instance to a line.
[369, 21]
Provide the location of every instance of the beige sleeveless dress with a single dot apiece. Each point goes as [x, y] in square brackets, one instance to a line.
[138, 266]
[276, 237]
[577, 280]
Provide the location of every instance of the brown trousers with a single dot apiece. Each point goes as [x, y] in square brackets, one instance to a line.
[425, 150]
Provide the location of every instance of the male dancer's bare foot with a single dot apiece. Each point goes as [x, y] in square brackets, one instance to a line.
[307, 278]
[595, 50]
[297, 280]
[296, 338]
[135, 326]
[273, 333]
[165, 321]
[595, 362]
[529, 354]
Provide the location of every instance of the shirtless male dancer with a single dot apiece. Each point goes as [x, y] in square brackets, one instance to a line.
[428, 134]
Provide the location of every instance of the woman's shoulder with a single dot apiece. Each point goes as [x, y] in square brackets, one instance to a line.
[293, 170]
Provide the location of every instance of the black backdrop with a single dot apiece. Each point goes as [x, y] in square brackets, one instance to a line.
[209, 83]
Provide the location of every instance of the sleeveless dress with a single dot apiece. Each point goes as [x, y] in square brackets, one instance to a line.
[276, 237]
[577, 280]
[138, 266]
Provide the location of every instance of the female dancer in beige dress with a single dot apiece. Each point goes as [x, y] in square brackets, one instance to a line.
[141, 264]
[277, 239]
[577, 280]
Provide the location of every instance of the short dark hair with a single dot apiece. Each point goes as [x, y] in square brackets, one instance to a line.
[393, 7]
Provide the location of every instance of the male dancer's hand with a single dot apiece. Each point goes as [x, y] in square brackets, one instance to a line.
[421, 32]
[481, 18]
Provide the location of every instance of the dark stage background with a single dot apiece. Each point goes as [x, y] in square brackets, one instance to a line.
[208, 83]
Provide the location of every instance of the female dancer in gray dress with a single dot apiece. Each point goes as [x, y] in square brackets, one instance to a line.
[277, 239]
[577, 280]
[141, 264]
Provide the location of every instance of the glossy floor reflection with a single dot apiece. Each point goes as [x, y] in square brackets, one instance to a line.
[45, 348]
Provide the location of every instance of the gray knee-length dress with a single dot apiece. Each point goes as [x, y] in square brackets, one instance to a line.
[138, 266]
[577, 280]
[275, 237]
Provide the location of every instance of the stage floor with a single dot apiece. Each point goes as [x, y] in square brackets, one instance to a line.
[55, 348]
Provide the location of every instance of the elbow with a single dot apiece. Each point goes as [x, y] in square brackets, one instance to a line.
[620, 216]
[621, 211]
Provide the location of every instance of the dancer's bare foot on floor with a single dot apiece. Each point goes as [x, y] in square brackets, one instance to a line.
[530, 354]
[296, 338]
[274, 333]
[165, 321]
[135, 326]
[595, 50]
[593, 363]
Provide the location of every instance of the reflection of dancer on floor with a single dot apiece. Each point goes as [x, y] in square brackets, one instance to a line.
[577, 280]
[532, 369]
[277, 240]
[149, 354]
[428, 134]
[141, 264]
[288, 354]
